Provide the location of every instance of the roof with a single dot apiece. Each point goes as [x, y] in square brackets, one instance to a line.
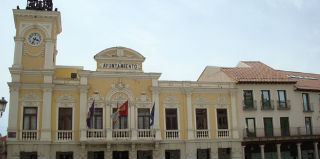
[305, 81]
[256, 72]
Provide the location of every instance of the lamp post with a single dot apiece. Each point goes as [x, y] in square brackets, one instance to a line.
[3, 104]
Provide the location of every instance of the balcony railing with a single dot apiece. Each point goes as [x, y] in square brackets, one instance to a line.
[121, 133]
[29, 135]
[278, 132]
[202, 134]
[172, 134]
[146, 134]
[223, 133]
[309, 108]
[249, 105]
[95, 134]
[267, 105]
[284, 105]
[64, 135]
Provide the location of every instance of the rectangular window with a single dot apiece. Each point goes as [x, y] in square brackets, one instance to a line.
[97, 119]
[123, 120]
[251, 127]
[30, 118]
[203, 153]
[265, 99]
[120, 154]
[308, 126]
[144, 154]
[65, 119]
[248, 99]
[282, 99]
[222, 118]
[171, 119]
[64, 155]
[143, 118]
[28, 155]
[268, 127]
[224, 153]
[201, 119]
[172, 154]
[95, 155]
[284, 123]
[305, 101]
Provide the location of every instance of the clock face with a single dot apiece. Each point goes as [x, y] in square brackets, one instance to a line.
[34, 39]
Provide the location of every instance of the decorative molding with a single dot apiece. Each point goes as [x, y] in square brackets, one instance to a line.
[26, 52]
[119, 89]
[30, 99]
[201, 102]
[25, 26]
[171, 102]
[143, 101]
[98, 101]
[65, 100]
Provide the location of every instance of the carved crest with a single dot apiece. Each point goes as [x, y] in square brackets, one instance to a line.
[171, 102]
[30, 99]
[65, 100]
[143, 101]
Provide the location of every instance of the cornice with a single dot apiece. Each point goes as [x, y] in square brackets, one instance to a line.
[107, 74]
[31, 71]
[39, 14]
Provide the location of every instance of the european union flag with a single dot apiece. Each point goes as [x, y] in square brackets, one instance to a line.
[152, 115]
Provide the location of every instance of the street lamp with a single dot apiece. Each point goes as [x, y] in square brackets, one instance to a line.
[3, 104]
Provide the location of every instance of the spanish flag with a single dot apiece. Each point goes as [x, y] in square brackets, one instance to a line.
[123, 110]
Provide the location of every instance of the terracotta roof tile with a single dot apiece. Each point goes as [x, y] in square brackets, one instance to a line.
[257, 72]
[305, 81]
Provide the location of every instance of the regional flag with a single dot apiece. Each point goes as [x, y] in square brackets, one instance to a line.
[152, 115]
[90, 114]
[123, 110]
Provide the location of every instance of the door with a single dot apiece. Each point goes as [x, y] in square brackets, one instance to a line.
[284, 123]
[308, 126]
[268, 127]
[251, 127]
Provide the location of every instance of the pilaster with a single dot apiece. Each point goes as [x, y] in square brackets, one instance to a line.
[189, 111]
[132, 122]
[83, 112]
[46, 114]
[18, 52]
[156, 125]
[49, 51]
[13, 111]
[235, 128]
[243, 152]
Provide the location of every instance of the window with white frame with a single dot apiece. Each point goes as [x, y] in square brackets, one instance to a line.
[201, 119]
[29, 118]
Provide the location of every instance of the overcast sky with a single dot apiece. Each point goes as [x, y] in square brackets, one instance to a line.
[179, 38]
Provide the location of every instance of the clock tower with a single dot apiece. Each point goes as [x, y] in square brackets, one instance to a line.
[33, 69]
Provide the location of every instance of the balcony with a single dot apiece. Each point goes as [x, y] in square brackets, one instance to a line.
[29, 135]
[267, 105]
[249, 105]
[284, 105]
[96, 134]
[64, 135]
[146, 134]
[121, 134]
[278, 132]
[202, 134]
[223, 133]
[308, 108]
[172, 134]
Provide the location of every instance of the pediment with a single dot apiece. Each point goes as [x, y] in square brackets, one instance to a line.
[119, 59]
